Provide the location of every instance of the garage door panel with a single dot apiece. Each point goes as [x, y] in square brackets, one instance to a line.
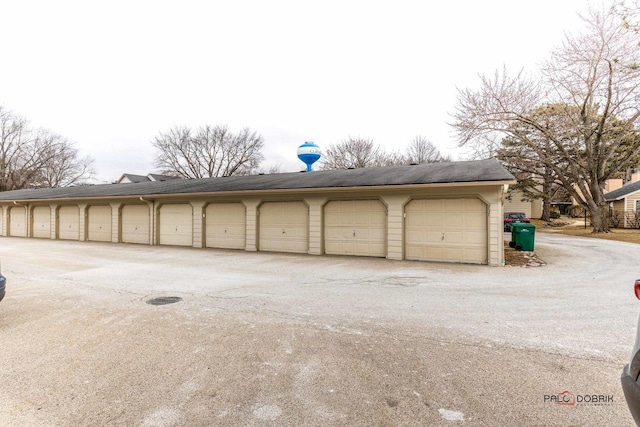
[453, 253]
[452, 205]
[176, 225]
[371, 237]
[226, 226]
[414, 237]
[227, 237]
[432, 237]
[433, 220]
[99, 228]
[477, 221]
[135, 224]
[430, 252]
[453, 221]
[299, 233]
[284, 227]
[17, 221]
[476, 238]
[355, 227]
[69, 223]
[334, 233]
[41, 222]
[453, 230]
[475, 254]
[360, 248]
[378, 234]
[294, 246]
[454, 237]
[415, 221]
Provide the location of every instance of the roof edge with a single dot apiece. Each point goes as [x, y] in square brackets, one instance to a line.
[149, 197]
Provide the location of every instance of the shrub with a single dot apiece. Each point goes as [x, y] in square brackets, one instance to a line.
[633, 219]
[615, 219]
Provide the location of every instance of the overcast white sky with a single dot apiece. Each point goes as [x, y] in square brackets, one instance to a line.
[111, 75]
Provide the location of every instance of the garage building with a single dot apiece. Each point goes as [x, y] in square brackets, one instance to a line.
[449, 212]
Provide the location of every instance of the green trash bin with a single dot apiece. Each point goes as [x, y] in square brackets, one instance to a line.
[523, 236]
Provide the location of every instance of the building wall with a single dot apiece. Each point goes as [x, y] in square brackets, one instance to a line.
[394, 199]
[531, 208]
[630, 202]
[625, 210]
[619, 206]
[630, 209]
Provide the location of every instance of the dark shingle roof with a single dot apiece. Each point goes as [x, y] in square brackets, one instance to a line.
[135, 178]
[432, 173]
[158, 177]
[625, 190]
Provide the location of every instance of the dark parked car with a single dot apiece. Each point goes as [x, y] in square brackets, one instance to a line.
[631, 372]
[511, 217]
[3, 282]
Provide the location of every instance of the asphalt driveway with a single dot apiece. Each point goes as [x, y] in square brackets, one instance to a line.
[279, 339]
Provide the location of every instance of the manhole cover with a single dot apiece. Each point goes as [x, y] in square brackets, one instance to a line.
[163, 300]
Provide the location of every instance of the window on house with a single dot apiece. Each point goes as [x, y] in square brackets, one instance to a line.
[637, 205]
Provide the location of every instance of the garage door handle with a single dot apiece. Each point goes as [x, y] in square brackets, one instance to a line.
[442, 236]
[354, 233]
[283, 231]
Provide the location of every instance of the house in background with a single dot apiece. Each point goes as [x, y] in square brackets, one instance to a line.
[563, 201]
[624, 202]
[128, 178]
[514, 203]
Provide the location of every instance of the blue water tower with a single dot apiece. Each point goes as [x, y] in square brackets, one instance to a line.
[309, 153]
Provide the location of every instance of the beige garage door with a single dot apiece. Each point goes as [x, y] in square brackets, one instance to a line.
[99, 228]
[69, 223]
[452, 230]
[41, 225]
[284, 227]
[18, 221]
[176, 225]
[355, 227]
[226, 226]
[135, 224]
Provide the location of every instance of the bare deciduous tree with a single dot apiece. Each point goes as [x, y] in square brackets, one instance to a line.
[358, 153]
[362, 153]
[61, 162]
[629, 11]
[208, 151]
[37, 157]
[593, 82]
[421, 150]
[272, 169]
